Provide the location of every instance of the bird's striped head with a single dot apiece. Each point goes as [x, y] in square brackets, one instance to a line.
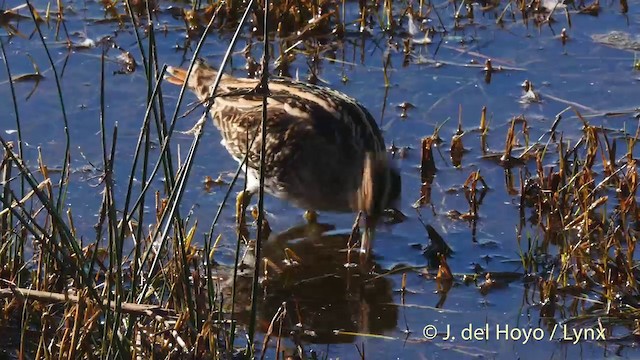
[380, 190]
[381, 185]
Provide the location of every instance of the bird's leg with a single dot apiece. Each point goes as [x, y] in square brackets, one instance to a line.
[311, 217]
[312, 227]
[242, 201]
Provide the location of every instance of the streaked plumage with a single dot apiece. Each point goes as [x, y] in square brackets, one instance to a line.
[320, 142]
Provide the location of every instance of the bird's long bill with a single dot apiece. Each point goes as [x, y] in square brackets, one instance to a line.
[367, 237]
[175, 75]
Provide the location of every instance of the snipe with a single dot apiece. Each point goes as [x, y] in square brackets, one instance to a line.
[324, 151]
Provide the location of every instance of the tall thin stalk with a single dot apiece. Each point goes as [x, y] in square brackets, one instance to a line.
[264, 88]
[187, 165]
[62, 184]
[18, 247]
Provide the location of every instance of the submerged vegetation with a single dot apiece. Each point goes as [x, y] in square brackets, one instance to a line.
[146, 280]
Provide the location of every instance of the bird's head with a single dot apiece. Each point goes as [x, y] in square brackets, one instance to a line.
[381, 186]
[380, 190]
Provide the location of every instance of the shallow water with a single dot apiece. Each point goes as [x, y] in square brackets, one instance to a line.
[594, 78]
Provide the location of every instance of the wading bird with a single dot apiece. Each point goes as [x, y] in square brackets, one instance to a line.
[324, 151]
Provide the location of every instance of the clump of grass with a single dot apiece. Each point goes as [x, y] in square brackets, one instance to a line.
[580, 211]
[591, 216]
[141, 287]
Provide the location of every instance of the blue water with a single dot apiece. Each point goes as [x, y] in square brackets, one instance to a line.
[593, 77]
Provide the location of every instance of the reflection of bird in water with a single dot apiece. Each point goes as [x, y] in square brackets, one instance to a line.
[320, 292]
[324, 151]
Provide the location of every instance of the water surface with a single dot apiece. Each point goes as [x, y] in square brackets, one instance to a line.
[443, 87]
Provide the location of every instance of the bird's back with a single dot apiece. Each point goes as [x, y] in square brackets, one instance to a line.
[318, 139]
